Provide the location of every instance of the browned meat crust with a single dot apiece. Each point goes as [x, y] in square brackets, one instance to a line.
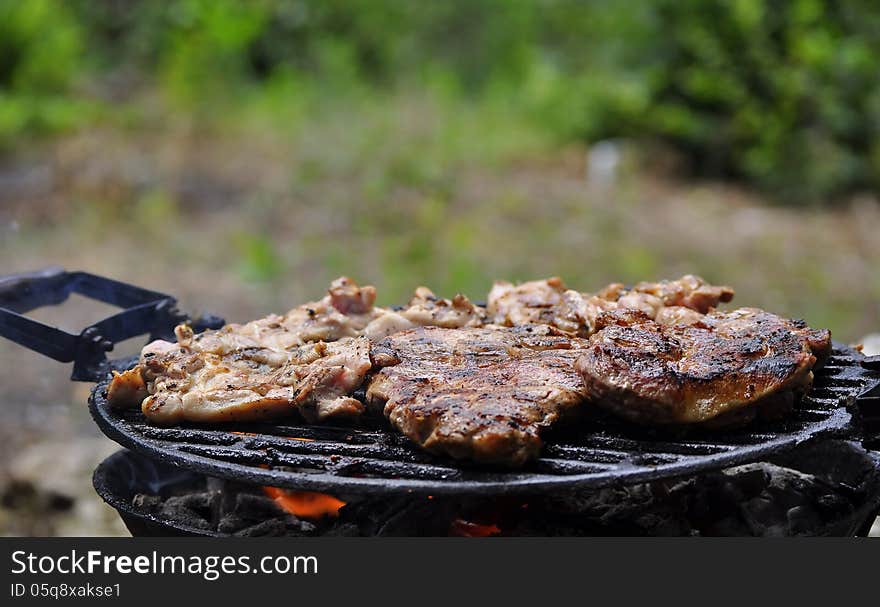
[657, 353]
[278, 365]
[426, 309]
[551, 302]
[722, 368]
[127, 389]
[482, 394]
[186, 383]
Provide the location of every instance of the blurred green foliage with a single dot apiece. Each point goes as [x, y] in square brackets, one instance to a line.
[40, 58]
[782, 94]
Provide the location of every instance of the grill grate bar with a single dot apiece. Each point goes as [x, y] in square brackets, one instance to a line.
[550, 465]
[375, 450]
[228, 455]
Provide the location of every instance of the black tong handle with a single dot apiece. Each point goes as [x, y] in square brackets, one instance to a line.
[144, 312]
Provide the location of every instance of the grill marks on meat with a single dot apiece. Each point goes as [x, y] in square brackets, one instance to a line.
[551, 302]
[720, 370]
[483, 394]
[484, 383]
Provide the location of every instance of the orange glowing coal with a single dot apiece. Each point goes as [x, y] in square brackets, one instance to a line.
[463, 528]
[305, 504]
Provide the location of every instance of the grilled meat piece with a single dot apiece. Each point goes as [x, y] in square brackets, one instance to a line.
[426, 309]
[482, 394]
[689, 291]
[659, 353]
[345, 311]
[189, 383]
[720, 369]
[535, 301]
[551, 302]
[348, 311]
[277, 365]
[127, 389]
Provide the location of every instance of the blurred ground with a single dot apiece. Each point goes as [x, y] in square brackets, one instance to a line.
[247, 222]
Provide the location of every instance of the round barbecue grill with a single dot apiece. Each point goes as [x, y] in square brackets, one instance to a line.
[374, 458]
[379, 459]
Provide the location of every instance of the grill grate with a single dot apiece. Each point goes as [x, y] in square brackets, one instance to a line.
[378, 459]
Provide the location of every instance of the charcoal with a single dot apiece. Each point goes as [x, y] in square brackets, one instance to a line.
[193, 510]
[832, 505]
[256, 506]
[763, 517]
[225, 508]
[147, 503]
[762, 499]
[272, 527]
[802, 520]
[344, 530]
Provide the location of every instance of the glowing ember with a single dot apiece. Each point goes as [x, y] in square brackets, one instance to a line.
[463, 528]
[305, 504]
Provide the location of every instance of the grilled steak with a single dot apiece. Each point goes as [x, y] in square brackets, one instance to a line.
[551, 302]
[482, 394]
[723, 368]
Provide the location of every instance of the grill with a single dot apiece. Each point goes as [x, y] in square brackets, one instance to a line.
[846, 504]
[372, 459]
[380, 460]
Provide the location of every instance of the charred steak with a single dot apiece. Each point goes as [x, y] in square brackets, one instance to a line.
[482, 394]
[721, 369]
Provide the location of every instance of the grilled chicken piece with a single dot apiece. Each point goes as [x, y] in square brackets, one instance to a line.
[186, 382]
[482, 394]
[719, 370]
[127, 389]
[551, 302]
[220, 371]
[348, 311]
[426, 309]
[344, 312]
[535, 301]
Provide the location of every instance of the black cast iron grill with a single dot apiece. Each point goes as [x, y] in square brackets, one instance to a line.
[378, 459]
[839, 496]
